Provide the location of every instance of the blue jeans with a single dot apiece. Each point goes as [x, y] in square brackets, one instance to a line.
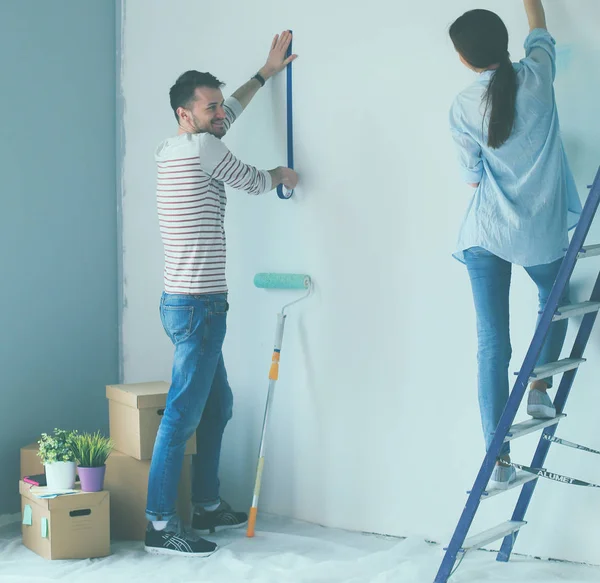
[199, 399]
[490, 282]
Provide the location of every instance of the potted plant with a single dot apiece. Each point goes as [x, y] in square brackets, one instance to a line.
[56, 452]
[91, 452]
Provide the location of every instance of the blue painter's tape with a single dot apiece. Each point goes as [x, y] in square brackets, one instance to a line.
[282, 192]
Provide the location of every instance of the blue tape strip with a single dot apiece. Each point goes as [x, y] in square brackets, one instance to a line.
[281, 191]
[290, 123]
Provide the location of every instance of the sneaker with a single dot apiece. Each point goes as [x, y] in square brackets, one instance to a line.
[222, 518]
[174, 539]
[502, 477]
[539, 405]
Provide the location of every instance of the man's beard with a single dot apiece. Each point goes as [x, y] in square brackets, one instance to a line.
[218, 133]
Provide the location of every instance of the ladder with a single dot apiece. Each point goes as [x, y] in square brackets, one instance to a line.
[506, 431]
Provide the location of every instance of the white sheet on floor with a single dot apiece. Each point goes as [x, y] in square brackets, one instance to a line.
[284, 551]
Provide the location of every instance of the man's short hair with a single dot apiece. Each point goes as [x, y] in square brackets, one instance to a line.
[184, 91]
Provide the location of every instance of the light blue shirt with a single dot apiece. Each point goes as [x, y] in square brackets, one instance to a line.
[526, 200]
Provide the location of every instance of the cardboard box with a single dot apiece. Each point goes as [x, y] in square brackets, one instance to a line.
[31, 464]
[134, 412]
[127, 481]
[75, 526]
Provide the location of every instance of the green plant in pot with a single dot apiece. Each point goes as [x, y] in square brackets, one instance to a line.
[56, 453]
[91, 451]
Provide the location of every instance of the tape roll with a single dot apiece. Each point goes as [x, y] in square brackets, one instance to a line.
[284, 193]
[282, 280]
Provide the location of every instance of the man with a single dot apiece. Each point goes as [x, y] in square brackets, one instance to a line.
[193, 168]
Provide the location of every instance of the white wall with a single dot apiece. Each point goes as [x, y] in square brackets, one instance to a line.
[375, 424]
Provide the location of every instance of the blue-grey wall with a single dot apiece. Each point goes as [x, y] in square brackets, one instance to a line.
[58, 222]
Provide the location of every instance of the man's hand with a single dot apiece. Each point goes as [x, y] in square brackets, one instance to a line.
[473, 184]
[276, 61]
[285, 176]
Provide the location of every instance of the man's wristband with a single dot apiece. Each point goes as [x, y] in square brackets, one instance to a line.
[260, 79]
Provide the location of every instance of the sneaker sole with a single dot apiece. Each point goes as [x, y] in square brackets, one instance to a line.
[162, 551]
[219, 528]
[541, 411]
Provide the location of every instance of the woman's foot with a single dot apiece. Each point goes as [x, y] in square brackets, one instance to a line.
[503, 475]
[539, 405]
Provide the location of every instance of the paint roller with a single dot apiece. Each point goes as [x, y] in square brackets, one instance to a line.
[274, 281]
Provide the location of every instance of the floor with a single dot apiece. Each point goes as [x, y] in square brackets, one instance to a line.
[283, 551]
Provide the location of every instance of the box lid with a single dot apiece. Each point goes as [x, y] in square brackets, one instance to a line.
[72, 501]
[139, 395]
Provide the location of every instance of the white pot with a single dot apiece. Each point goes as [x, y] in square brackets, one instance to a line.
[60, 475]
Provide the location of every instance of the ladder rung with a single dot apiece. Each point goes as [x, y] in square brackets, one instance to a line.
[572, 310]
[489, 536]
[589, 251]
[522, 478]
[531, 425]
[554, 368]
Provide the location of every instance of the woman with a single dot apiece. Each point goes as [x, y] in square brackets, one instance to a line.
[510, 150]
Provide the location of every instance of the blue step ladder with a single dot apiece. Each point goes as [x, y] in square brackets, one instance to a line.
[506, 431]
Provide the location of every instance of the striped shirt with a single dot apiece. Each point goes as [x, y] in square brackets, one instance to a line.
[192, 172]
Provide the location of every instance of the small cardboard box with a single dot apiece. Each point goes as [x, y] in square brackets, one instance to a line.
[127, 481]
[31, 464]
[74, 526]
[134, 412]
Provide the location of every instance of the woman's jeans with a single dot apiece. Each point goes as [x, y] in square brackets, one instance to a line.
[490, 282]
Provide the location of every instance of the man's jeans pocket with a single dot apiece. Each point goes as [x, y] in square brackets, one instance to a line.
[177, 322]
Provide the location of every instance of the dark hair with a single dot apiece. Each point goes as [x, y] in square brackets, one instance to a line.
[481, 38]
[183, 92]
